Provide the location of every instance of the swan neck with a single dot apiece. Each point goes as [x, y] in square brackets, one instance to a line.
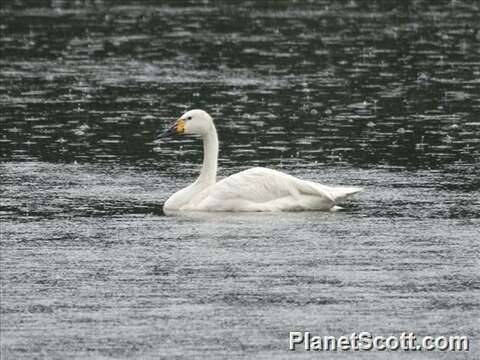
[208, 174]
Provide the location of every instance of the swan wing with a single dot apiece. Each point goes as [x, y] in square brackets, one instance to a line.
[262, 189]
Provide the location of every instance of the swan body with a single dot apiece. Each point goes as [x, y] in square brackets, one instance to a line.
[255, 189]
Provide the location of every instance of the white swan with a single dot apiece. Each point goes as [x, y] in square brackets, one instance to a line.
[255, 189]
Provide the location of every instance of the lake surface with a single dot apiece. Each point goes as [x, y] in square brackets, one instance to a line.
[382, 95]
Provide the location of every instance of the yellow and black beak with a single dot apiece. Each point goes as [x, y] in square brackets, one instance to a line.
[177, 128]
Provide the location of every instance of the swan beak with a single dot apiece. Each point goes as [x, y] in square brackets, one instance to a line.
[177, 128]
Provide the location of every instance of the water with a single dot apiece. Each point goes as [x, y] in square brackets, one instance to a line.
[380, 95]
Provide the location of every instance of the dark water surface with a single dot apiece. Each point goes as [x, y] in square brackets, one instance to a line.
[379, 94]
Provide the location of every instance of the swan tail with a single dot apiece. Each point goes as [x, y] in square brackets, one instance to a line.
[336, 208]
[342, 192]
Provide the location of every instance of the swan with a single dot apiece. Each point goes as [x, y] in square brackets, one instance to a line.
[255, 189]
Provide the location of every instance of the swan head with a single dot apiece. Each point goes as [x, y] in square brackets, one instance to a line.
[196, 122]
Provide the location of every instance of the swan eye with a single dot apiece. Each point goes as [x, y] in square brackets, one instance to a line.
[189, 118]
